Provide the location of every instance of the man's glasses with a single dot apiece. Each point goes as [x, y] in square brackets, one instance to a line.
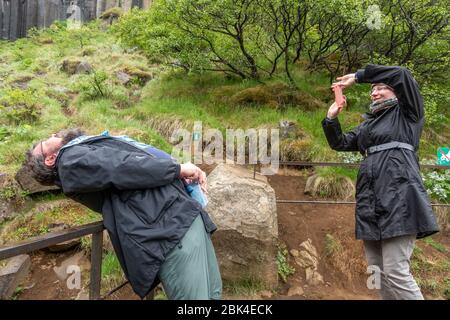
[42, 150]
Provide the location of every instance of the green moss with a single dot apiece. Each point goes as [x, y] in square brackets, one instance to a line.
[31, 225]
[247, 286]
[332, 245]
[436, 245]
[112, 274]
[112, 13]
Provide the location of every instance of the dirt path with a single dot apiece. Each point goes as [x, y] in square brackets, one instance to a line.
[298, 222]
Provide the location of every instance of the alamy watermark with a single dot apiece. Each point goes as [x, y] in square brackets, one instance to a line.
[73, 14]
[71, 274]
[374, 17]
[74, 279]
[210, 147]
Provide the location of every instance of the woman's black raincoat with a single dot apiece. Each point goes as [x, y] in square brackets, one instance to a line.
[391, 200]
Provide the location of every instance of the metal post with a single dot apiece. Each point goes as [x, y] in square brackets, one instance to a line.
[96, 265]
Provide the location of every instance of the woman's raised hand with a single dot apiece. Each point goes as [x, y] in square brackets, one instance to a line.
[334, 110]
[346, 81]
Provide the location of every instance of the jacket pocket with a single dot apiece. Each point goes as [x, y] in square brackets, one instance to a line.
[147, 212]
[151, 248]
[396, 170]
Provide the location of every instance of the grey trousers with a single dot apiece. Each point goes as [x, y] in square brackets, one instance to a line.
[392, 257]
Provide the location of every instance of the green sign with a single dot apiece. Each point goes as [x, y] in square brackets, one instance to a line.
[443, 156]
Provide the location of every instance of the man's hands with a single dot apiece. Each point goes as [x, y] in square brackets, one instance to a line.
[191, 172]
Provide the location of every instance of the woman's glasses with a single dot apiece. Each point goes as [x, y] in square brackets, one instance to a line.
[378, 88]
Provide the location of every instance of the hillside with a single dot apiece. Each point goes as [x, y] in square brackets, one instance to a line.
[58, 78]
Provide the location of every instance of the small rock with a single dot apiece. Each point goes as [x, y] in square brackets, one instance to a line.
[306, 260]
[13, 274]
[7, 210]
[292, 213]
[30, 286]
[286, 128]
[123, 77]
[70, 65]
[294, 252]
[308, 246]
[20, 85]
[3, 179]
[26, 182]
[60, 89]
[82, 295]
[313, 277]
[63, 246]
[295, 291]
[84, 67]
[266, 294]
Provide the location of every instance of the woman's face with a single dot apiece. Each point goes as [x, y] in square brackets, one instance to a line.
[381, 92]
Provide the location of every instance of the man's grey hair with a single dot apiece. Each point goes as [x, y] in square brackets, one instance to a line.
[36, 165]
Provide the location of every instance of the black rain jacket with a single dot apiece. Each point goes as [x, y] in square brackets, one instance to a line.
[144, 203]
[391, 200]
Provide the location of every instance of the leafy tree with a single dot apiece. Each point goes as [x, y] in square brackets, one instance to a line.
[257, 39]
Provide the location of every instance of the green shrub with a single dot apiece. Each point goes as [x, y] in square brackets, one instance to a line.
[435, 100]
[120, 97]
[4, 132]
[246, 286]
[113, 13]
[447, 288]
[350, 157]
[296, 149]
[20, 106]
[112, 274]
[437, 184]
[284, 269]
[94, 86]
[332, 245]
[436, 245]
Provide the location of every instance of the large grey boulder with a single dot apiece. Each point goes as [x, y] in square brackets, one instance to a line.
[244, 210]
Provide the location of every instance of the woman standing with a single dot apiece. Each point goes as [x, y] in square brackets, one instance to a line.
[392, 206]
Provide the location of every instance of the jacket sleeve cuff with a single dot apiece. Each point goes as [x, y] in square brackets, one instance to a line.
[359, 76]
[177, 171]
[328, 121]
